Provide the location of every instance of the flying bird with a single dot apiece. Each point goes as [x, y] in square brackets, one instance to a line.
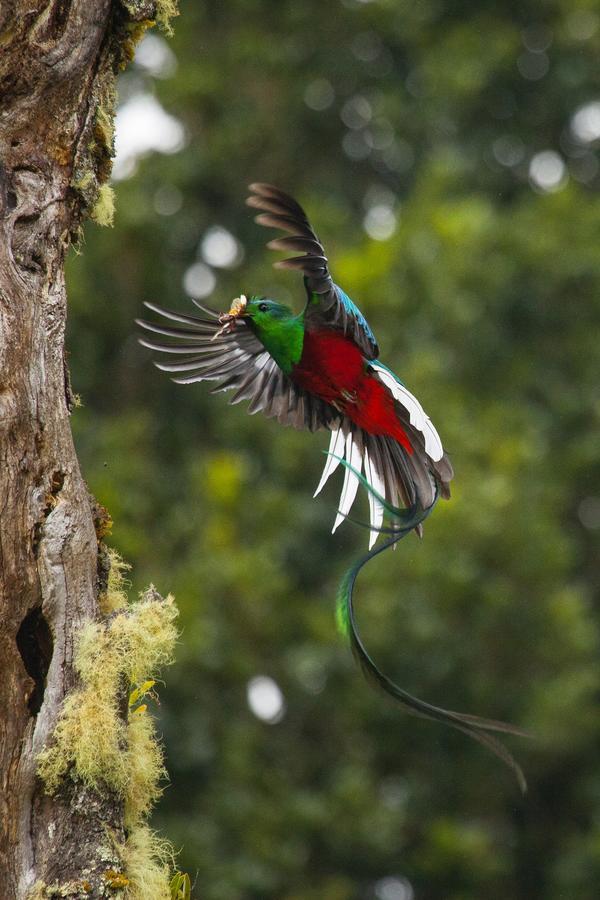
[319, 369]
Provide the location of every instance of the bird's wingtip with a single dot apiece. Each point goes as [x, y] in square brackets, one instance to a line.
[259, 186]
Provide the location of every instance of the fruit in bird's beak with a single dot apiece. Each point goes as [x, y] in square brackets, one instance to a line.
[227, 320]
[238, 306]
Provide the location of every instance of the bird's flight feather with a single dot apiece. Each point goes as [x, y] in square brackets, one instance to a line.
[333, 306]
[239, 362]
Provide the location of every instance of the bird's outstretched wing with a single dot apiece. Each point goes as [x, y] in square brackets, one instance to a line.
[238, 361]
[327, 303]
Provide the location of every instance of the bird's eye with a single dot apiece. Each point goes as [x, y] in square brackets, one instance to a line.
[263, 307]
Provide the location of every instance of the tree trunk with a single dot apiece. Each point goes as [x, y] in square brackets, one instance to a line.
[58, 64]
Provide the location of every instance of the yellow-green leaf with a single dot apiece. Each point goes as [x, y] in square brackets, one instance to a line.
[181, 888]
[140, 691]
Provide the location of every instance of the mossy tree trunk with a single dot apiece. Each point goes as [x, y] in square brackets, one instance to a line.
[58, 63]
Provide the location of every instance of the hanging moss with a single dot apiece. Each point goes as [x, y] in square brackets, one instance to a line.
[147, 772]
[103, 210]
[115, 595]
[91, 736]
[93, 740]
[148, 861]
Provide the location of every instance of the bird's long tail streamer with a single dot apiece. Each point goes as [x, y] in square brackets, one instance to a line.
[405, 520]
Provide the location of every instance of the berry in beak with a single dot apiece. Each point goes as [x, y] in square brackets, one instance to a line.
[228, 320]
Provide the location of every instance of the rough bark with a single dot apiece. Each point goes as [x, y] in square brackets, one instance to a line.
[58, 62]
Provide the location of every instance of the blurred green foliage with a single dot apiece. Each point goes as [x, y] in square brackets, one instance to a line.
[452, 130]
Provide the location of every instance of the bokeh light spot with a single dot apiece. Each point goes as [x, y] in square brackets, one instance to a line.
[380, 222]
[508, 150]
[220, 248]
[394, 888]
[537, 38]
[533, 66]
[265, 699]
[583, 24]
[143, 126]
[380, 135]
[155, 57]
[167, 200]
[367, 46]
[319, 94]
[355, 146]
[547, 171]
[399, 156]
[589, 513]
[357, 112]
[585, 124]
[584, 168]
[199, 281]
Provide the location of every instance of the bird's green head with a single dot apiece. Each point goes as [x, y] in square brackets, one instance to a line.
[275, 325]
[262, 311]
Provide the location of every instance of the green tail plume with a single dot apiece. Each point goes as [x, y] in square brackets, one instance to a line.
[405, 520]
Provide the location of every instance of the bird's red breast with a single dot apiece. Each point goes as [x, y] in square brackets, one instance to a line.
[333, 368]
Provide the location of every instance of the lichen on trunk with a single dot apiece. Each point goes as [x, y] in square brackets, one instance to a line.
[105, 737]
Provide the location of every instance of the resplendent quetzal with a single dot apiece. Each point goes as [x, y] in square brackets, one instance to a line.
[319, 369]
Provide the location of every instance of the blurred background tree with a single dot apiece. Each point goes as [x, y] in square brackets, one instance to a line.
[447, 154]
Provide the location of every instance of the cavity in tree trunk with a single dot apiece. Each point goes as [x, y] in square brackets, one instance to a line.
[58, 64]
